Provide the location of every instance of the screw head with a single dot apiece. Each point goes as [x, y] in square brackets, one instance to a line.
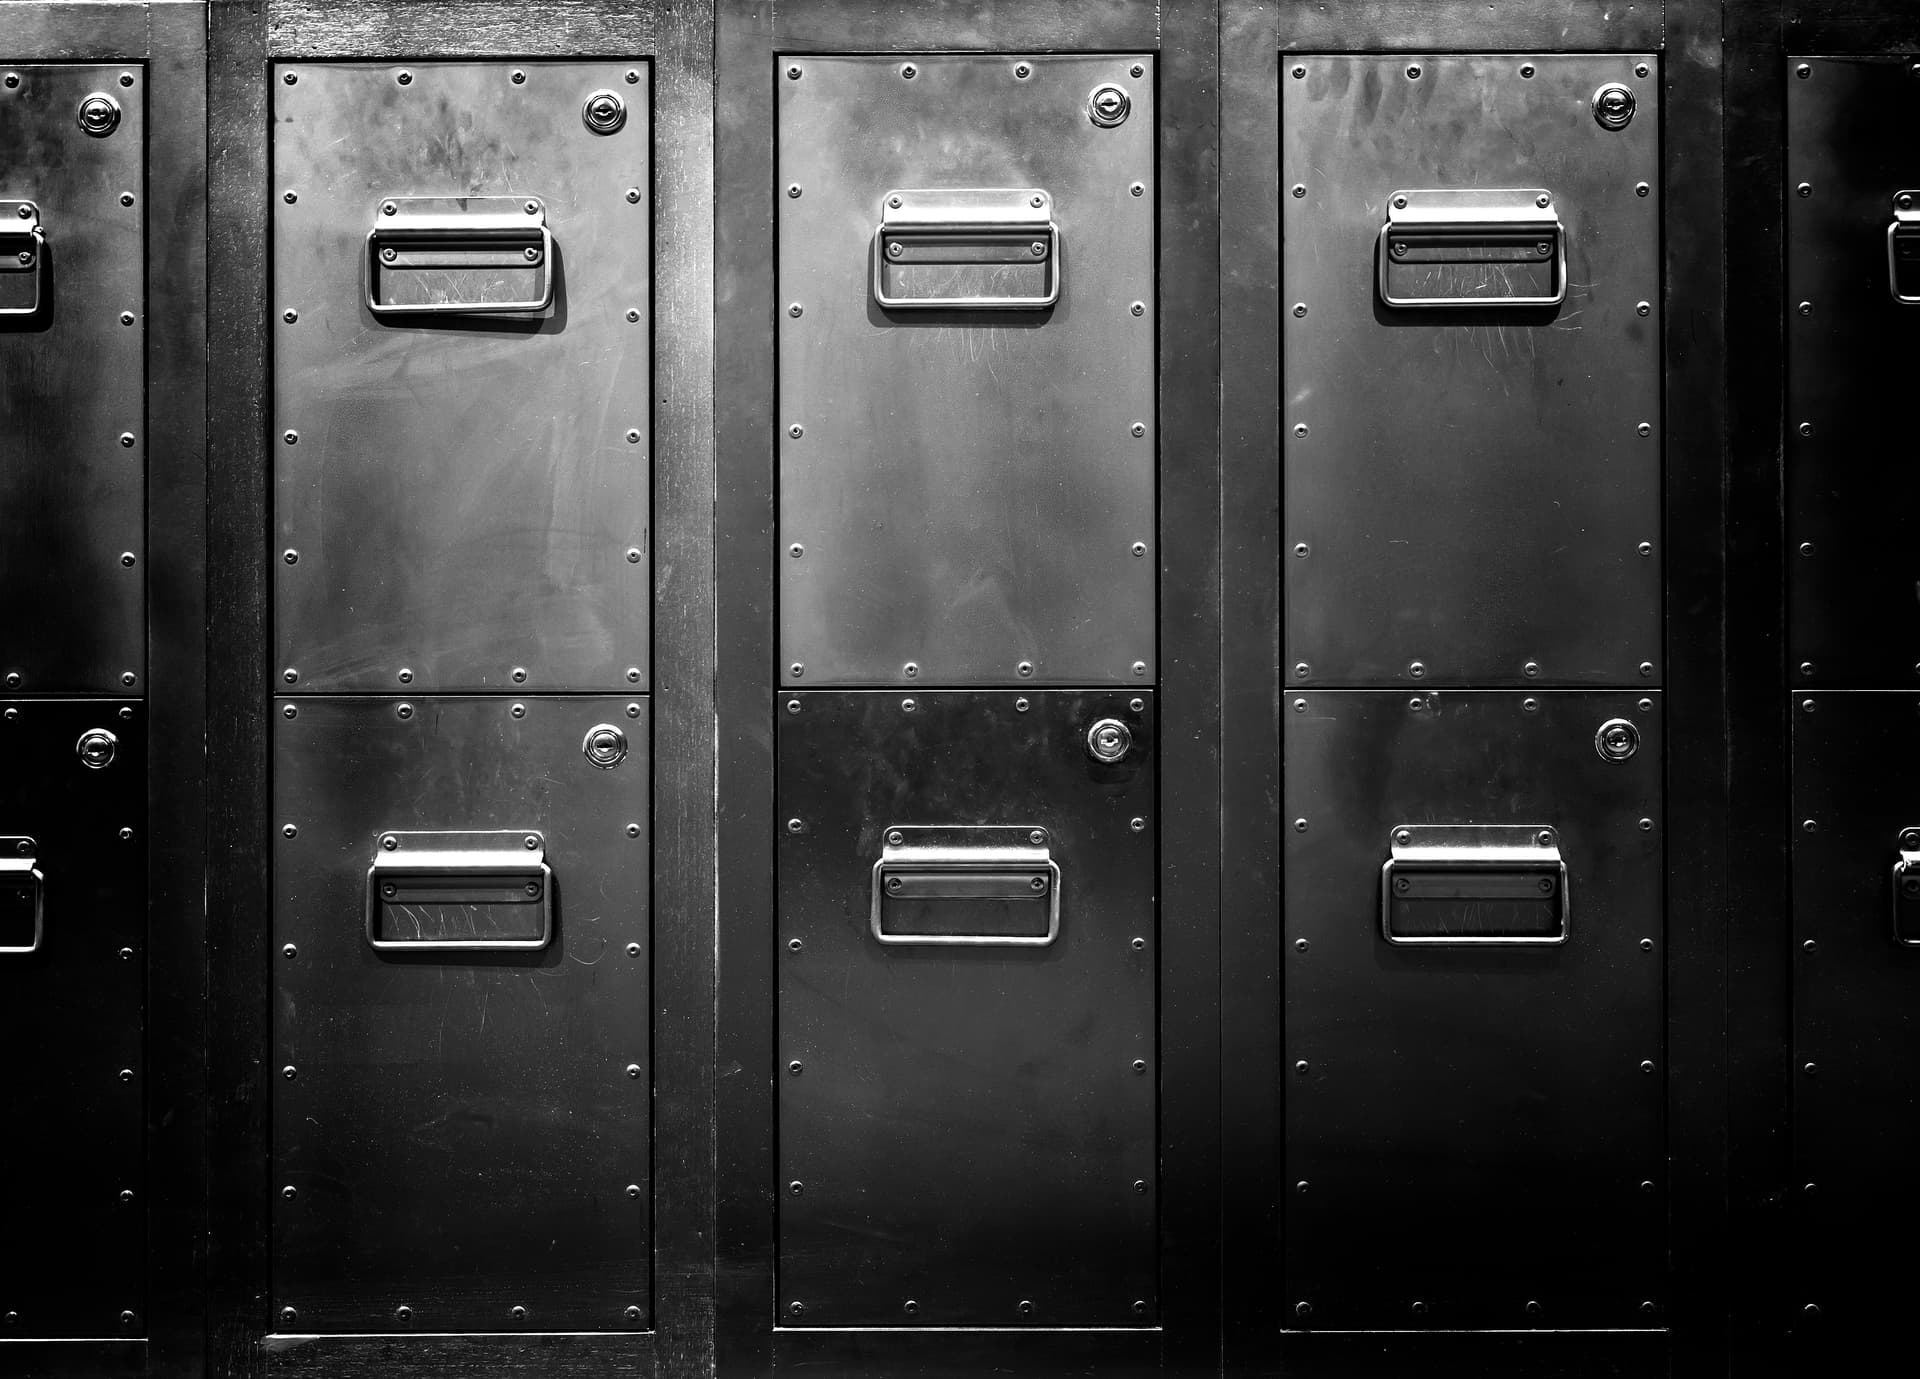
[1526, 70]
[1413, 72]
[404, 78]
[908, 71]
[1806, 189]
[1021, 71]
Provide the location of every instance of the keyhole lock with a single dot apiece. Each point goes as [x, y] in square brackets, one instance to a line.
[96, 748]
[605, 746]
[1109, 740]
[99, 114]
[1109, 105]
[604, 112]
[1617, 740]
[1613, 106]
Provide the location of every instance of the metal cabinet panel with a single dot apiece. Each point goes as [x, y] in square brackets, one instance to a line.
[1472, 491]
[1473, 1132]
[966, 494]
[460, 1138]
[461, 497]
[966, 1131]
[73, 378]
[1853, 614]
[72, 1015]
[1855, 1018]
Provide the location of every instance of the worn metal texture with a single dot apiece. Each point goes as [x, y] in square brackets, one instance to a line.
[73, 1014]
[1473, 1137]
[465, 498]
[1854, 1092]
[966, 1134]
[1853, 584]
[966, 496]
[72, 383]
[467, 1134]
[1472, 494]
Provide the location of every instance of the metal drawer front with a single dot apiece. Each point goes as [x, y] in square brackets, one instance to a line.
[1471, 359]
[73, 968]
[73, 436]
[1474, 1099]
[462, 324]
[461, 1070]
[967, 433]
[966, 1060]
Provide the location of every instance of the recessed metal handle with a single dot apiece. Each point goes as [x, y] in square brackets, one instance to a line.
[459, 256]
[23, 898]
[966, 248]
[486, 891]
[1903, 249]
[1474, 884]
[1472, 247]
[1906, 889]
[974, 887]
[23, 259]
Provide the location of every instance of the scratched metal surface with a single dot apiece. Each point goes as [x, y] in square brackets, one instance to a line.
[72, 384]
[1469, 485]
[463, 495]
[461, 1132]
[1473, 1127]
[967, 1128]
[966, 490]
[72, 1017]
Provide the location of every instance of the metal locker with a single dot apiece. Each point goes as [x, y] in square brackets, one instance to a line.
[1474, 1011]
[462, 328]
[73, 378]
[73, 971]
[1856, 957]
[966, 1025]
[1471, 404]
[966, 364]
[461, 1014]
[1852, 303]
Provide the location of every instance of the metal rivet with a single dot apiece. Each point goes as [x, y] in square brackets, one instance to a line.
[1803, 71]
[289, 712]
[1299, 825]
[1646, 1065]
[1301, 945]
[1646, 825]
[1026, 1308]
[519, 1313]
[1139, 548]
[404, 78]
[1303, 1309]
[290, 1192]
[403, 711]
[1417, 669]
[1139, 428]
[908, 706]
[1139, 667]
[404, 676]
[1299, 73]
[895, 837]
[796, 670]
[1646, 669]
[126, 318]
[1805, 189]
[795, 945]
[289, 1073]
[908, 71]
[287, 1314]
[1530, 705]
[127, 558]
[1138, 308]
[795, 1068]
[1544, 199]
[1413, 73]
[1526, 70]
[1024, 669]
[796, 431]
[1021, 71]
[793, 74]
[1419, 1309]
[1021, 706]
[634, 1070]
[292, 557]
[1138, 189]
[793, 189]
[13, 80]
[290, 951]
[1807, 548]
[1299, 309]
[1641, 189]
[1299, 190]
[1137, 825]
[1139, 944]
[1531, 669]
[912, 668]
[1139, 1065]
[1645, 548]
[633, 436]
[1645, 428]
[519, 711]
[632, 314]
[1643, 308]
[1137, 705]
[126, 439]
[519, 77]
[796, 826]
[796, 310]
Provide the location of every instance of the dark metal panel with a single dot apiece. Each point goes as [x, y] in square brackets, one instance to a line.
[1477, 1355]
[462, 1135]
[1474, 1137]
[1414, 25]
[463, 501]
[966, 1134]
[73, 1015]
[1009, 25]
[959, 1352]
[1459, 481]
[1854, 1014]
[72, 388]
[1853, 610]
[566, 1356]
[966, 496]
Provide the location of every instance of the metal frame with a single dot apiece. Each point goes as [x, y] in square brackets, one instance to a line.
[1469, 848]
[167, 37]
[1255, 34]
[958, 851]
[1184, 35]
[243, 41]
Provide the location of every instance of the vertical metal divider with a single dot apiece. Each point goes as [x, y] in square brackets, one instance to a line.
[677, 41]
[1184, 36]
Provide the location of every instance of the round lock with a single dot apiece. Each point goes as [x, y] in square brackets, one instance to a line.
[1108, 106]
[605, 746]
[99, 114]
[604, 112]
[1617, 740]
[1108, 740]
[1613, 106]
[96, 748]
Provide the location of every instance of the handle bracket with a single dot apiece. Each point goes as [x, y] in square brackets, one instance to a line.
[23, 259]
[23, 898]
[459, 256]
[1472, 247]
[461, 891]
[1474, 884]
[934, 877]
[1903, 249]
[967, 249]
